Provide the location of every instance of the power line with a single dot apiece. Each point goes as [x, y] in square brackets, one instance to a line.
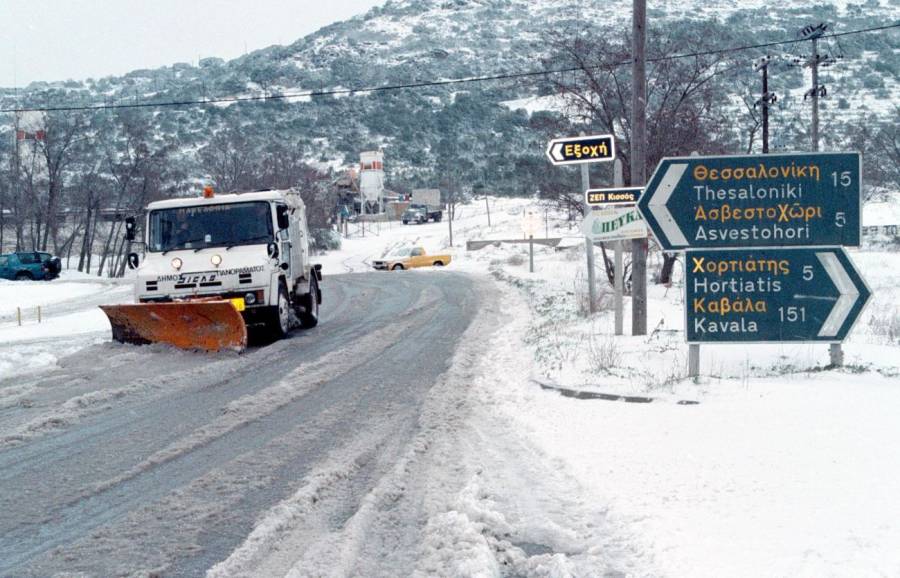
[424, 84]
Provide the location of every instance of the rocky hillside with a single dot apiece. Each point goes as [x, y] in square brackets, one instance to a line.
[469, 133]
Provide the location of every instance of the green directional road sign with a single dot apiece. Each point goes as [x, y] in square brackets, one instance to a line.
[772, 295]
[582, 149]
[788, 200]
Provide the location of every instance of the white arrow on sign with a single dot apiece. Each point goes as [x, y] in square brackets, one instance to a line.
[556, 152]
[658, 208]
[847, 289]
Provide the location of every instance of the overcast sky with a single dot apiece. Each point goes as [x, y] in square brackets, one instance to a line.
[63, 39]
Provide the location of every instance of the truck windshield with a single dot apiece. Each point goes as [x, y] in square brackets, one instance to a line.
[222, 225]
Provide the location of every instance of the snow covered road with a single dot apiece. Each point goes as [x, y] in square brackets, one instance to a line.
[127, 460]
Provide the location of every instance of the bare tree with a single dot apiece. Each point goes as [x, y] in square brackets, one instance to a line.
[880, 148]
[684, 110]
[60, 132]
[229, 160]
[136, 165]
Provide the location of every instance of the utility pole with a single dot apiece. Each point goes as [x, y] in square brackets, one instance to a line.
[451, 205]
[638, 161]
[814, 33]
[618, 262]
[487, 205]
[766, 100]
[18, 184]
[815, 93]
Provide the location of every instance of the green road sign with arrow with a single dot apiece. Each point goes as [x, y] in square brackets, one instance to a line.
[788, 200]
[772, 295]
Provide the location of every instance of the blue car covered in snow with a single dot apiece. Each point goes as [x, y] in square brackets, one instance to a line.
[29, 265]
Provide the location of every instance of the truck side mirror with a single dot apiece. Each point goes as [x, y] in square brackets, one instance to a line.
[133, 260]
[283, 221]
[129, 228]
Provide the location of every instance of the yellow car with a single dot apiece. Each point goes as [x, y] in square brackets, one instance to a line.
[409, 257]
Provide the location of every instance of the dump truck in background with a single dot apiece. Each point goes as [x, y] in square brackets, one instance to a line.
[217, 264]
[425, 205]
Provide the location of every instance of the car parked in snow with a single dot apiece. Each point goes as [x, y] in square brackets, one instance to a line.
[409, 257]
[29, 266]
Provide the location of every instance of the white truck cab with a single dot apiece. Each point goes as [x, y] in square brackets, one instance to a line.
[251, 248]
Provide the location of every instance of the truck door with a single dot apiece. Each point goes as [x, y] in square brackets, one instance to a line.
[298, 260]
[417, 257]
[285, 243]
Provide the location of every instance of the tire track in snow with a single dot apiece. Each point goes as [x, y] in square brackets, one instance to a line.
[295, 385]
[203, 451]
[388, 513]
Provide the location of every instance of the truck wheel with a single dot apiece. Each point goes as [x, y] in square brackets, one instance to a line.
[279, 324]
[397, 267]
[24, 276]
[310, 317]
[437, 219]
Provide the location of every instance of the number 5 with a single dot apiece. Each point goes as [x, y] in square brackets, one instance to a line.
[807, 272]
[839, 219]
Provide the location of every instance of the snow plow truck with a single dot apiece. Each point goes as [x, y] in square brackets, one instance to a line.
[217, 264]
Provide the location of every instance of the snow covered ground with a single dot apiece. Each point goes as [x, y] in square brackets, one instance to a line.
[69, 319]
[780, 468]
[777, 466]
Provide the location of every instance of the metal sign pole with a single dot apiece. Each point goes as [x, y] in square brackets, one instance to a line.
[581, 150]
[619, 283]
[531, 253]
[694, 360]
[589, 244]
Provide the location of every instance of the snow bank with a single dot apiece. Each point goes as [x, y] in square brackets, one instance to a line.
[69, 319]
[783, 468]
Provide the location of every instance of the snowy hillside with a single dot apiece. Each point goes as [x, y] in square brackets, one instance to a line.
[419, 41]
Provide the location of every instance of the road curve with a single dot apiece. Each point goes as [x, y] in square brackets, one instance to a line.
[151, 461]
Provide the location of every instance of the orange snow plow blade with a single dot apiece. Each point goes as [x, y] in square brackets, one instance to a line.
[206, 325]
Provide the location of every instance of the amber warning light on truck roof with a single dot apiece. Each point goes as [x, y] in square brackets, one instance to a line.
[208, 192]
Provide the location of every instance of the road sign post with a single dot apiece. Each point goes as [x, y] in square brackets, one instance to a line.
[615, 223]
[617, 202]
[531, 253]
[589, 248]
[619, 288]
[772, 295]
[584, 149]
[531, 223]
[793, 210]
[789, 200]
